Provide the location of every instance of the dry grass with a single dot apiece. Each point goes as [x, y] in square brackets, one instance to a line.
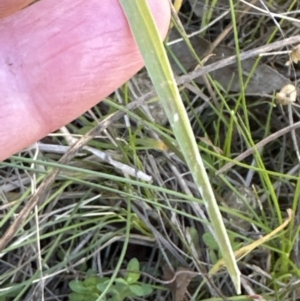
[102, 209]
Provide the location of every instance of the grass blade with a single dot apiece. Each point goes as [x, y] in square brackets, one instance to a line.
[155, 58]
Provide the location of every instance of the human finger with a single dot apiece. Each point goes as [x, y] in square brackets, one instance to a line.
[59, 58]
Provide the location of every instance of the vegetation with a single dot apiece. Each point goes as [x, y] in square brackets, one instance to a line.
[124, 217]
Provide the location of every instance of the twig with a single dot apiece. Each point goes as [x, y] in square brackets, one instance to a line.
[232, 59]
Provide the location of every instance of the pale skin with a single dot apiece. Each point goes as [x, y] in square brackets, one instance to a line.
[60, 58]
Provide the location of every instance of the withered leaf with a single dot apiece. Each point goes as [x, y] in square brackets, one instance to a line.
[295, 54]
[180, 283]
[287, 95]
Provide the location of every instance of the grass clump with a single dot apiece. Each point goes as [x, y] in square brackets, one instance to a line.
[127, 207]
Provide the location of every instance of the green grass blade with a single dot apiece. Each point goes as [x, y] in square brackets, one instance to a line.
[155, 58]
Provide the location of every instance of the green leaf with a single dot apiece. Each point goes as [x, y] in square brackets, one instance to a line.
[133, 265]
[133, 271]
[82, 297]
[137, 290]
[194, 235]
[147, 289]
[79, 287]
[102, 286]
[94, 281]
[212, 256]
[77, 297]
[210, 241]
[121, 281]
